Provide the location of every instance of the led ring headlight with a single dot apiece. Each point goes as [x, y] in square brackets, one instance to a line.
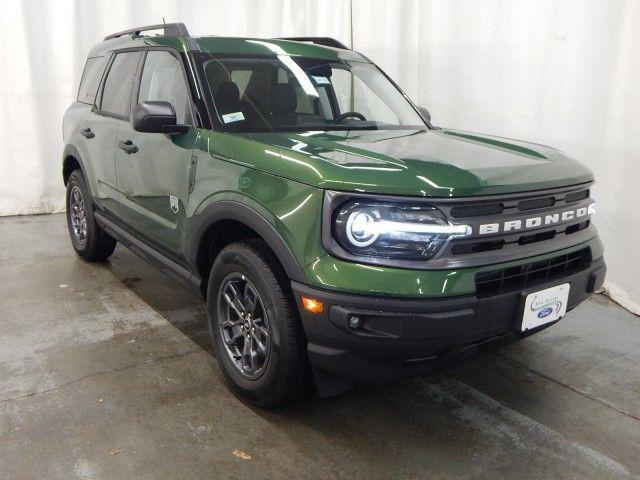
[360, 229]
[403, 230]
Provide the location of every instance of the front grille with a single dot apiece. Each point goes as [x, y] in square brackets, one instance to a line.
[516, 207]
[477, 210]
[524, 276]
[536, 237]
[576, 196]
[544, 202]
[464, 248]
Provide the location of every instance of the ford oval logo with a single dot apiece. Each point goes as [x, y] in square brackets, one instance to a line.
[545, 312]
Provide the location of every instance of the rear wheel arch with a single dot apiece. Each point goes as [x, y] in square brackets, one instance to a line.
[87, 238]
[227, 221]
[72, 161]
[69, 165]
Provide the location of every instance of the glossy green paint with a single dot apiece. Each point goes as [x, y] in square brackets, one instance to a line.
[227, 171]
[334, 274]
[101, 175]
[282, 177]
[146, 182]
[433, 163]
[257, 170]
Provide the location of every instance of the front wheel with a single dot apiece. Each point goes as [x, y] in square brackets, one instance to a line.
[254, 327]
[88, 239]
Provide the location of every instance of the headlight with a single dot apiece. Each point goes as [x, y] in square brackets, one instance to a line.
[402, 230]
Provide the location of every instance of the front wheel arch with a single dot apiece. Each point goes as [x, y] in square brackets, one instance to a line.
[231, 210]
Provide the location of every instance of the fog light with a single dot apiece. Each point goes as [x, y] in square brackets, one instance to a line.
[355, 323]
[312, 305]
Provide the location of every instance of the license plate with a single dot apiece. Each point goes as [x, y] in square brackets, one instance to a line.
[545, 306]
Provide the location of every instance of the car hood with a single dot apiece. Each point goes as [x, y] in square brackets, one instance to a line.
[438, 163]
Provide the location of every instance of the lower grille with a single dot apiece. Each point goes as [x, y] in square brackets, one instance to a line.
[520, 277]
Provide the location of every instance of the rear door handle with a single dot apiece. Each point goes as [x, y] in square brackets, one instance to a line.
[127, 146]
[87, 133]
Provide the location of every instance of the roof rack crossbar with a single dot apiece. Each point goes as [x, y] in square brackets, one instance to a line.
[326, 41]
[170, 30]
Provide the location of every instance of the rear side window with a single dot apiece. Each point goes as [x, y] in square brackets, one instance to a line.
[116, 94]
[91, 79]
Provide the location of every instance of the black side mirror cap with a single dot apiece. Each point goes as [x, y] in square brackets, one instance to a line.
[156, 117]
[177, 129]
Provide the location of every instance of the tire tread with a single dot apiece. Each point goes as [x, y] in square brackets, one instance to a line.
[298, 382]
[99, 245]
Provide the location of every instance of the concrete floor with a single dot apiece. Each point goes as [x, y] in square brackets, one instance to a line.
[106, 371]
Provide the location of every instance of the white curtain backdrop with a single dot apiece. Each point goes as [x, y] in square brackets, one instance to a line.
[43, 47]
[559, 72]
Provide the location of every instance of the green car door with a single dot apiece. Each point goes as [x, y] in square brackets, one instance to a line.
[99, 127]
[152, 169]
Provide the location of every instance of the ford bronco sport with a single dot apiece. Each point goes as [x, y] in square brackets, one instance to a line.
[338, 237]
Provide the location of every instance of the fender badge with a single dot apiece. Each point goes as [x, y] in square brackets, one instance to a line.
[173, 202]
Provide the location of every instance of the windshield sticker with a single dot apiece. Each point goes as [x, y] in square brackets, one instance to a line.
[232, 117]
[321, 80]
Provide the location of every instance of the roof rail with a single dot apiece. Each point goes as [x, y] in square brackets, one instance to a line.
[326, 41]
[170, 30]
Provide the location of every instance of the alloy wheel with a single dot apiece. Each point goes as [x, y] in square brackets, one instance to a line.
[77, 213]
[243, 325]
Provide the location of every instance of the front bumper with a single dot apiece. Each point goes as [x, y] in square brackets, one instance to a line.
[401, 338]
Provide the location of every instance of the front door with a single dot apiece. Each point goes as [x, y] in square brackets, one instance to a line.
[152, 169]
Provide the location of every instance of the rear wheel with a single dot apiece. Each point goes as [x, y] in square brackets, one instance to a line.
[259, 342]
[88, 239]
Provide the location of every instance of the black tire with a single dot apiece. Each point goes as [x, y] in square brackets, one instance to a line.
[286, 375]
[94, 244]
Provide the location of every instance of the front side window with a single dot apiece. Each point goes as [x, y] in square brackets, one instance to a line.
[116, 94]
[163, 80]
[288, 93]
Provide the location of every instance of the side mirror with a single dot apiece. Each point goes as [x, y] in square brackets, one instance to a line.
[156, 117]
[426, 115]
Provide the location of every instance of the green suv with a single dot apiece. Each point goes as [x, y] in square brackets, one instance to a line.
[338, 237]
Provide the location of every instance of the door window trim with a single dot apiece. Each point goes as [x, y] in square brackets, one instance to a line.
[105, 76]
[195, 114]
[199, 110]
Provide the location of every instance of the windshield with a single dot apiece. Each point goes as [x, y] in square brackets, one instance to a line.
[287, 93]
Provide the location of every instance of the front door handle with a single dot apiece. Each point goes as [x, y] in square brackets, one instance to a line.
[127, 146]
[87, 133]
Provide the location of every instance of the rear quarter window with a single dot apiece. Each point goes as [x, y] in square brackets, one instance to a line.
[90, 81]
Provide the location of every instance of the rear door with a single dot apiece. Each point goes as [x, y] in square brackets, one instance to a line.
[153, 181]
[100, 126]
[78, 118]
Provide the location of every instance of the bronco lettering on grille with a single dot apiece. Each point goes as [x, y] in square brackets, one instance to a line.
[536, 222]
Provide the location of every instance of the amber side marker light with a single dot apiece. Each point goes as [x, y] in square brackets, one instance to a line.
[312, 305]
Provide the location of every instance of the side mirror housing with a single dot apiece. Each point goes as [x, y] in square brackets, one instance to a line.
[156, 117]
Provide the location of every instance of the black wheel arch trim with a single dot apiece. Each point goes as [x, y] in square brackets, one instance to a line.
[71, 151]
[243, 213]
